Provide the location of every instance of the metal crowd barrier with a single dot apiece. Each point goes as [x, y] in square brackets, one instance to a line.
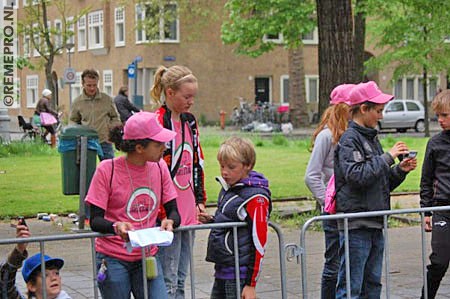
[300, 251]
[235, 225]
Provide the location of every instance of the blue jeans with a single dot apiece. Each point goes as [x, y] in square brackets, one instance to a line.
[226, 289]
[123, 278]
[366, 248]
[108, 151]
[175, 261]
[331, 265]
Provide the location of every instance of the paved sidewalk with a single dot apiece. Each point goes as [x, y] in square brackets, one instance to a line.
[405, 255]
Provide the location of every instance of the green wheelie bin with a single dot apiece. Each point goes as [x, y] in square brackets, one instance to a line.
[70, 149]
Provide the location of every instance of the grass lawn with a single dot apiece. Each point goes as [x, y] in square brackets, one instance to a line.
[30, 174]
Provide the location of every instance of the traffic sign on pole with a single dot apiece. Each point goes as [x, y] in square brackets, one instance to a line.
[69, 75]
[131, 70]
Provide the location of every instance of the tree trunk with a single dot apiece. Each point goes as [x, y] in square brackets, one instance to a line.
[336, 56]
[297, 100]
[359, 39]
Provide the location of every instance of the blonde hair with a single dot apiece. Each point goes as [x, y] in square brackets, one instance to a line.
[335, 118]
[237, 149]
[441, 101]
[171, 77]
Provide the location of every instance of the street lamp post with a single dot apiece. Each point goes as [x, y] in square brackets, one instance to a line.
[69, 47]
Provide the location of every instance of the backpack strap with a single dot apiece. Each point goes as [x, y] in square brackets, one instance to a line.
[112, 174]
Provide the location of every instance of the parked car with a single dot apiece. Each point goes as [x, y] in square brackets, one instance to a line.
[403, 115]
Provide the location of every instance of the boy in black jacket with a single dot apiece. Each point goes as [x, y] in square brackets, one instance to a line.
[435, 191]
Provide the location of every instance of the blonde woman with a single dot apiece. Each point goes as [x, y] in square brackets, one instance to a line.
[175, 89]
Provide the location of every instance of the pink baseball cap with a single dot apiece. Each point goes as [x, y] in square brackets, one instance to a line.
[340, 94]
[144, 125]
[368, 92]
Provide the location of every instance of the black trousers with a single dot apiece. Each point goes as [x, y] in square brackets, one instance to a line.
[440, 253]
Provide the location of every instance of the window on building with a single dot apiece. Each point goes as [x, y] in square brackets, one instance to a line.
[398, 89]
[284, 88]
[119, 32]
[58, 34]
[276, 38]
[166, 30]
[108, 82]
[411, 87]
[311, 38]
[170, 26]
[312, 89]
[26, 45]
[36, 40]
[76, 87]
[70, 32]
[95, 26]
[27, 2]
[32, 90]
[82, 33]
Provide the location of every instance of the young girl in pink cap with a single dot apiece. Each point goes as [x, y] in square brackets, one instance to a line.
[319, 171]
[364, 177]
[125, 194]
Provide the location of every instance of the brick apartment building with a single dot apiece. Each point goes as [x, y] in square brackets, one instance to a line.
[107, 39]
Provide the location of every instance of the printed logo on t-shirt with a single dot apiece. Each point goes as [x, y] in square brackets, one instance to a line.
[183, 177]
[141, 204]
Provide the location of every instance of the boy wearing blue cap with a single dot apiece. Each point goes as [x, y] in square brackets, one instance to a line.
[13, 262]
[31, 272]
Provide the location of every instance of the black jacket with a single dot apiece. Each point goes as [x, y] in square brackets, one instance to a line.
[124, 107]
[435, 181]
[363, 174]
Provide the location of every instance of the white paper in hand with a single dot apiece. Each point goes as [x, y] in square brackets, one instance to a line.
[150, 236]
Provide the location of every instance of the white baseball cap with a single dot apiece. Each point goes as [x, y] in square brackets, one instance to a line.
[46, 92]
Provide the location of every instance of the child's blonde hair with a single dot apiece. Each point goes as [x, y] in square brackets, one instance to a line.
[237, 149]
[441, 101]
[171, 77]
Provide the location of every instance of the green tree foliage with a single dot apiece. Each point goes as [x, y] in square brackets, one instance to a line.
[195, 15]
[413, 36]
[250, 22]
[36, 24]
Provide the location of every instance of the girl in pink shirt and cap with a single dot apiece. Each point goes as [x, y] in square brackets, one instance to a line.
[125, 194]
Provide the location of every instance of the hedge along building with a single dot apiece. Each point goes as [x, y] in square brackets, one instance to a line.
[109, 39]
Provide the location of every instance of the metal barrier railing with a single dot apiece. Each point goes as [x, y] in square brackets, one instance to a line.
[235, 225]
[300, 251]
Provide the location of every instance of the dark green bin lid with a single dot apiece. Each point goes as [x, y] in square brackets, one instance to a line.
[74, 131]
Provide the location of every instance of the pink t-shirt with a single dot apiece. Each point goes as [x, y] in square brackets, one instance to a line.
[183, 180]
[135, 196]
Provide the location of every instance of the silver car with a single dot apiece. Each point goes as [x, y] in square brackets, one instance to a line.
[402, 115]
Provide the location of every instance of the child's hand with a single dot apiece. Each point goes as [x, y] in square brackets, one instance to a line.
[248, 293]
[167, 224]
[428, 227]
[22, 232]
[121, 229]
[205, 217]
[201, 208]
[408, 164]
[399, 148]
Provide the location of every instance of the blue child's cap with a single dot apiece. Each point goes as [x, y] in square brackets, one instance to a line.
[33, 263]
